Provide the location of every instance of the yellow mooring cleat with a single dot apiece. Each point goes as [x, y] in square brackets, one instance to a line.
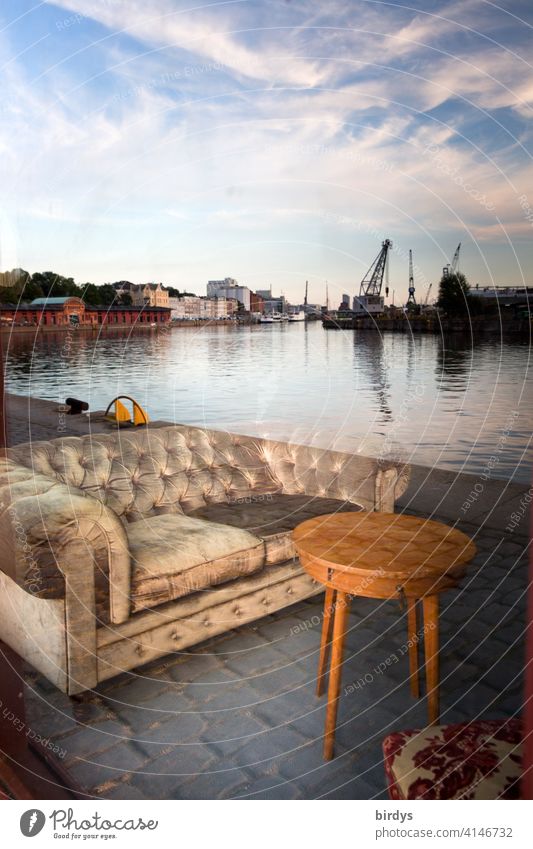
[121, 416]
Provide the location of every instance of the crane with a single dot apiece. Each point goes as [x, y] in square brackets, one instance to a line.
[411, 298]
[373, 279]
[427, 295]
[452, 267]
[369, 300]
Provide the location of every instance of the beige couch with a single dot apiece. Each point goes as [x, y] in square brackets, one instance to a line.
[119, 548]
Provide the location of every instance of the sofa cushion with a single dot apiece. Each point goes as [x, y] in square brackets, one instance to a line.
[174, 555]
[273, 518]
[474, 760]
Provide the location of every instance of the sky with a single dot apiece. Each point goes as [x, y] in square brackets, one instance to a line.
[273, 141]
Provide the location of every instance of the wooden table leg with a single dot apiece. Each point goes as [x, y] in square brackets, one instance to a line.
[412, 641]
[335, 671]
[325, 640]
[431, 645]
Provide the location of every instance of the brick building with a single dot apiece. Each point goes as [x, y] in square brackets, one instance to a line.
[62, 312]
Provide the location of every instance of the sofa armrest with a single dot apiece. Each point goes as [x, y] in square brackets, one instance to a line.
[391, 482]
[373, 483]
[57, 542]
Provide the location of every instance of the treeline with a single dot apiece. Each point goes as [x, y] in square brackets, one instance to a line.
[44, 284]
[48, 284]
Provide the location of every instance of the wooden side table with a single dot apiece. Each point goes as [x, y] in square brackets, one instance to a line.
[381, 555]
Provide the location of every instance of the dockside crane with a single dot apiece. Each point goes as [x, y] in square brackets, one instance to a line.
[452, 267]
[369, 299]
[411, 298]
[427, 295]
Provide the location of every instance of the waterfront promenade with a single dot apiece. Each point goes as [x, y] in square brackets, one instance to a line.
[432, 492]
[236, 717]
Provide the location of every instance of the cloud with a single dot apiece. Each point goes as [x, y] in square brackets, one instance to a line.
[210, 36]
[301, 122]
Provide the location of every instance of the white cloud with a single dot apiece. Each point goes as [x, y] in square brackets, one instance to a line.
[297, 135]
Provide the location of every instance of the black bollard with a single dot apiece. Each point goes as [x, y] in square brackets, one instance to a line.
[76, 406]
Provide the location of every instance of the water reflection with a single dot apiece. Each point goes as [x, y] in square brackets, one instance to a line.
[454, 364]
[439, 403]
[370, 358]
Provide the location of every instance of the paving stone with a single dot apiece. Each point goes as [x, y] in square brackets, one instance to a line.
[234, 695]
[204, 669]
[230, 730]
[106, 767]
[87, 741]
[511, 549]
[48, 720]
[140, 720]
[134, 689]
[274, 631]
[241, 640]
[267, 749]
[213, 680]
[161, 736]
[165, 775]
[227, 784]
[287, 677]
[256, 661]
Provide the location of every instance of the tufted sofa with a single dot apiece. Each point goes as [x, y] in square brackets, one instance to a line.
[119, 548]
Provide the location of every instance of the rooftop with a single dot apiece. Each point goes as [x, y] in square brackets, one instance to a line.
[37, 302]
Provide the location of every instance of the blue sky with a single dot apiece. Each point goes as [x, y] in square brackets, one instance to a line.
[273, 141]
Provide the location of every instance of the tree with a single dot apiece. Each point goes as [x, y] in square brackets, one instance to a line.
[55, 285]
[454, 295]
[23, 289]
[91, 294]
[108, 294]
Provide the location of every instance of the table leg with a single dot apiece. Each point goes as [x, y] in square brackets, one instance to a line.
[431, 645]
[325, 641]
[335, 671]
[412, 641]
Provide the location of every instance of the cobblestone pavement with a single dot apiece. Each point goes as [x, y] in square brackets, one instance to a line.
[238, 718]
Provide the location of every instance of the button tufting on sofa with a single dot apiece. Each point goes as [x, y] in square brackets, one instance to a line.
[236, 481]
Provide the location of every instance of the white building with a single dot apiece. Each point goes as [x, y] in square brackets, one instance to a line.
[189, 307]
[229, 288]
[186, 307]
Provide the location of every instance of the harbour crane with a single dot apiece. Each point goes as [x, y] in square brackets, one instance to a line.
[427, 295]
[452, 267]
[411, 298]
[369, 299]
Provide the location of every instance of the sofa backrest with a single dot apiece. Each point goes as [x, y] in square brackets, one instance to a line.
[180, 468]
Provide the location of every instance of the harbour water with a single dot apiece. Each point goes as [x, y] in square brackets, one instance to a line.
[449, 403]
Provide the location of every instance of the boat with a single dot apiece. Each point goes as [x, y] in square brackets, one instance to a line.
[297, 316]
[273, 318]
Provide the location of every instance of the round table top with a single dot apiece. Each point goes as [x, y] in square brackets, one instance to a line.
[392, 544]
